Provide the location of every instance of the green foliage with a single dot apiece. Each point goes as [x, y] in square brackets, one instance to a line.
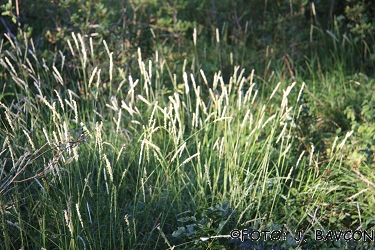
[361, 116]
[360, 18]
[199, 231]
[176, 127]
[256, 32]
[7, 10]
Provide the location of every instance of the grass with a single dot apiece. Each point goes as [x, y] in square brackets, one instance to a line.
[168, 157]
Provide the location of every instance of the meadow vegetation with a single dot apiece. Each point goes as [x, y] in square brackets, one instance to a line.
[168, 124]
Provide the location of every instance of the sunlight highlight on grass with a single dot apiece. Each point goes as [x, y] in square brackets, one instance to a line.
[135, 150]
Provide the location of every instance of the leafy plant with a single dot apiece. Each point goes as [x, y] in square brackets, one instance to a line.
[203, 230]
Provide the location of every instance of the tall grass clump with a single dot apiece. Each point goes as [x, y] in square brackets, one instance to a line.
[113, 160]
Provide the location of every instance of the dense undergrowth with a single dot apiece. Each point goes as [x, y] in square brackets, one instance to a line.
[177, 143]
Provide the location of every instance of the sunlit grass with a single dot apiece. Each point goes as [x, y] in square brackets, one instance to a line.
[105, 164]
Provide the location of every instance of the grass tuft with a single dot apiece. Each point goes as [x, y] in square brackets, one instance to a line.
[172, 159]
